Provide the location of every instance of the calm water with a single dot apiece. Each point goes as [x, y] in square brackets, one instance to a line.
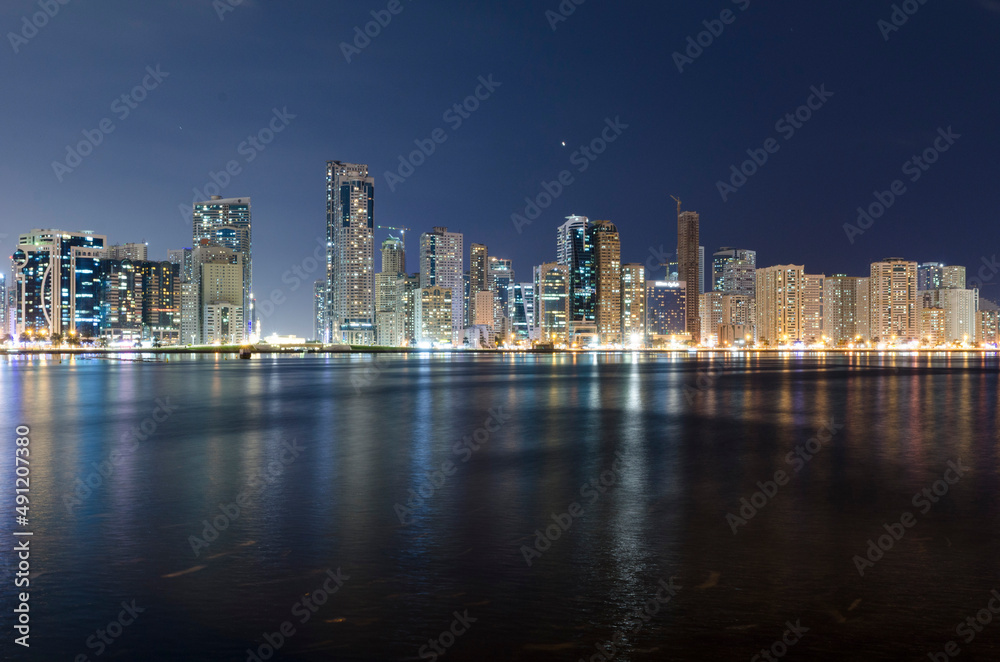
[690, 438]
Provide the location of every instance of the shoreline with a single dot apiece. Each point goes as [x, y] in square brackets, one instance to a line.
[344, 349]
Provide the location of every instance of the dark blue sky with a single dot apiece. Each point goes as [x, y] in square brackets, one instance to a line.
[606, 60]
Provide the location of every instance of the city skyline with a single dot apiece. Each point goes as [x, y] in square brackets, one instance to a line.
[827, 170]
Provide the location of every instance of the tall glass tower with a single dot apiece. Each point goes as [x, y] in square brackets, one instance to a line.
[575, 251]
[350, 235]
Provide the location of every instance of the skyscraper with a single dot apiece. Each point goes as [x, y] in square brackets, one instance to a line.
[701, 270]
[688, 268]
[894, 300]
[4, 308]
[575, 251]
[350, 235]
[501, 278]
[552, 301]
[134, 252]
[227, 222]
[633, 305]
[441, 265]
[319, 310]
[479, 267]
[780, 304]
[734, 271]
[929, 276]
[393, 256]
[666, 310]
[608, 281]
[161, 301]
[812, 307]
[953, 277]
[388, 317]
[435, 316]
[843, 303]
[57, 282]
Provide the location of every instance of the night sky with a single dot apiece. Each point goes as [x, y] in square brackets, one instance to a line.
[607, 60]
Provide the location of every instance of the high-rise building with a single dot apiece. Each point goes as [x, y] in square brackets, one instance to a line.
[519, 313]
[633, 289]
[608, 281]
[350, 235]
[4, 307]
[893, 301]
[780, 303]
[738, 310]
[701, 270]
[441, 258]
[528, 292]
[734, 271]
[961, 308]
[933, 323]
[812, 307]
[479, 281]
[133, 252]
[120, 296]
[388, 316]
[501, 278]
[988, 324]
[161, 301]
[953, 277]
[688, 267]
[666, 311]
[407, 288]
[575, 251]
[227, 222]
[319, 310]
[710, 311]
[222, 290]
[845, 309]
[56, 283]
[930, 276]
[393, 256]
[552, 301]
[182, 258]
[435, 316]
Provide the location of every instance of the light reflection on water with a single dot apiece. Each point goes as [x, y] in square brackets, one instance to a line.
[694, 435]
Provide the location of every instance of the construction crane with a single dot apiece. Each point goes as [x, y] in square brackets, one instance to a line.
[389, 227]
[678, 200]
